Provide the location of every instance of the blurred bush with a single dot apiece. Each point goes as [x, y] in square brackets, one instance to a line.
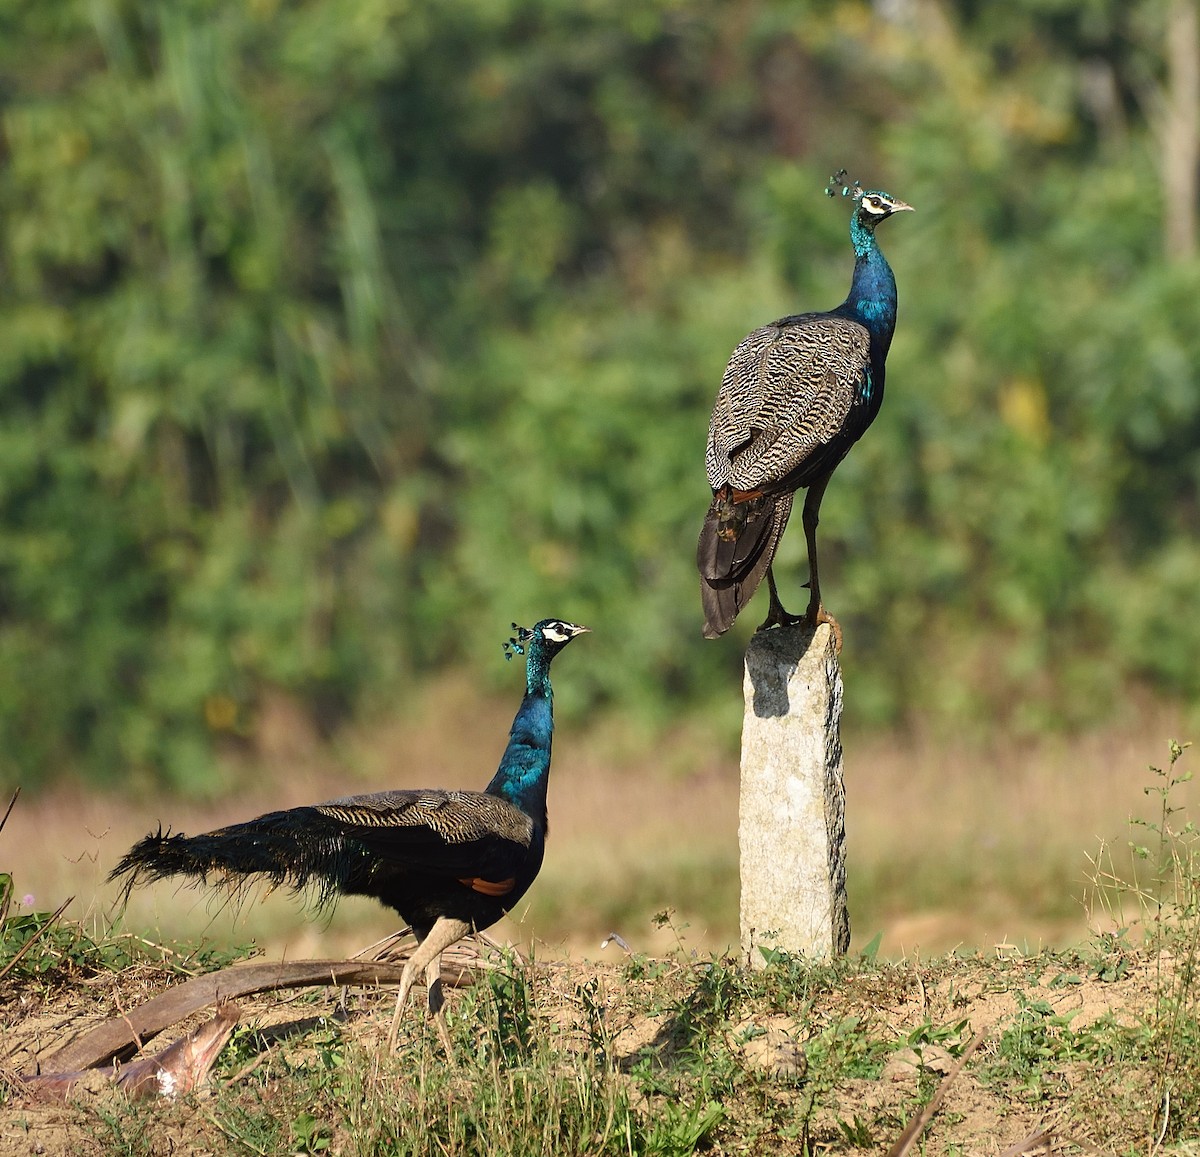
[336, 334]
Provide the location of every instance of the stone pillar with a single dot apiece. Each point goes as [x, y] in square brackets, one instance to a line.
[791, 827]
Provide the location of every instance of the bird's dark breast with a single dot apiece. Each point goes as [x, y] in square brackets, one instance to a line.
[421, 897]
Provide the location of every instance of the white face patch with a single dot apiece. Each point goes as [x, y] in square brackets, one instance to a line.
[874, 204]
[555, 635]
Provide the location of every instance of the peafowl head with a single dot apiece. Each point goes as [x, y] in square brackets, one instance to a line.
[871, 205]
[544, 639]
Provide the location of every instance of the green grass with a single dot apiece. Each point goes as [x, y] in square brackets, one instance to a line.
[678, 1052]
[656, 1056]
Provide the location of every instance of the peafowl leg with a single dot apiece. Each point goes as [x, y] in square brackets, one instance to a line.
[437, 1003]
[816, 612]
[777, 616]
[433, 983]
[429, 953]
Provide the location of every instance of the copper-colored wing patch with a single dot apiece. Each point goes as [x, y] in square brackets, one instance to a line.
[489, 887]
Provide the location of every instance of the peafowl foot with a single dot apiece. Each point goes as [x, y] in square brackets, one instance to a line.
[437, 1006]
[778, 617]
[817, 614]
[811, 619]
[821, 615]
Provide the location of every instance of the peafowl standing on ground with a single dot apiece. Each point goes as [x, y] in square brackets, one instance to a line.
[796, 395]
[450, 862]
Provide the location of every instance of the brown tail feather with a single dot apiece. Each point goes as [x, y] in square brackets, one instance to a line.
[736, 529]
[737, 544]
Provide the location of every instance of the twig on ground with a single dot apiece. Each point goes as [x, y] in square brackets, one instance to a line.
[119, 1036]
[180, 1068]
[917, 1125]
[1038, 1139]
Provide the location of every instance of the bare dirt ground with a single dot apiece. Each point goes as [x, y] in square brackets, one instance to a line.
[911, 1018]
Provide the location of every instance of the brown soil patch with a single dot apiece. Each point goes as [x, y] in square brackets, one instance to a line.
[775, 1049]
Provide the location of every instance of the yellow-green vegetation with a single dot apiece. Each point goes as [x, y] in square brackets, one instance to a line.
[337, 335]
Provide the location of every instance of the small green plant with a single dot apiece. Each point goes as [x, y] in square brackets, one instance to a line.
[310, 1135]
[676, 1129]
[505, 1007]
[244, 1046]
[331, 1051]
[1170, 848]
[719, 987]
[1175, 854]
[848, 1048]
[1164, 883]
[252, 1124]
[666, 919]
[1036, 1041]
[870, 950]
[856, 1132]
[1111, 956]
[36, 945]
[125, 1129]
[951, 1037]
[642, 967]
[595, 1019]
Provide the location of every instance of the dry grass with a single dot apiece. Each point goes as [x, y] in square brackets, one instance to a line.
[647, 1056]
[948, 845]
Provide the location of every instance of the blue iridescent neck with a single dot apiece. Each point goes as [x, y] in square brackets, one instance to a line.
[537, 670]
[524, 769]
[872, 298]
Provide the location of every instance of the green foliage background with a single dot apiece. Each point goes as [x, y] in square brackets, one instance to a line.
[336, 334]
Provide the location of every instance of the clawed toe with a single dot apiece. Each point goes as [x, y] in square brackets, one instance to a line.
[780, 618]
[810, 620]
[823, 616]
